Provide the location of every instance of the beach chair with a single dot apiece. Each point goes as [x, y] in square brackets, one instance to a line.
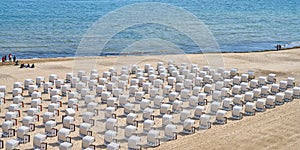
[65, 89]
[251, 75]
[146, 87]
[139, 96]
[234, 72]
[227, 104]
[180, 79]
[248, 97]
[18, 100]
[92, 84]
[214, 107]
[18, 85]
[8, 129]
[12, 144]
[74, 81]
[188, 84]
[253, 84]
[38, 140]
[296, 92]
[129, 108]
[110, 112]
[158, 100]
[217, 96]
[202, 99]
[288, 96]
[87, 141]
[153, 139]
[68, 121]
[236, 90]
[177, 106]
[129, 131]
[110, 136]
[50, 129]
[154, 93]
[15, 92]
[47, 116]
[152, 77]
[54, 92]
[185, 114]
[23, 134]
[65, 146]
[148, 125]
[261, 105]
[148, 114]
[236, 80]
[178, 87]
[270, 101]
[250, 109]
[244, 87]
[69, 76]
[170, 132]
[123, 99]
[111, 124]
[226, 74]
[237, 112]
[32, 88]
[283, 85]
[173, 96]
[73, 95]
[165, 109]
[193, 102]
[262, 81]
[206, 68]
[157, 83]
[145, 103]
[274, 89]
[189, 126]
[245, 77]
[134, 143]
[85, 129]
[204, 122]
[225, 92]
[63, 135]
[228, 83]
[172, 80]
[29, 121]
[113, 146]
[207, 79]
[256, 94]
[217, 77]
[199, 110]
[264, 91]
[59, 83]
[131, 119]
[104, 97]
[279, 98]
[86, 91]
[290, 82]
[28, 82]
[88, 117]
[112, 102]
[167, 90]
[221, 117]
[271, 79]
[53, 77]
[208, 89]
[198, 81]
[110, 86]
[238, 100]
[219, 85]
[166, 119]
[81, 73]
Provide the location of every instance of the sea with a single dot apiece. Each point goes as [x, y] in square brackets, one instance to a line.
[56, 28]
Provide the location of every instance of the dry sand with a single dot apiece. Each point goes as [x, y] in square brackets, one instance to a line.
[274, 129]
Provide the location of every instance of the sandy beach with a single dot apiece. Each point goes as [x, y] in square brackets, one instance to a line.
[274, 129]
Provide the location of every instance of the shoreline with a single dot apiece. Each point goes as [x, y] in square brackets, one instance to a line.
[51, 59]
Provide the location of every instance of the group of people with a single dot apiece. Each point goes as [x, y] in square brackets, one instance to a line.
[9, 57]
[27, 66]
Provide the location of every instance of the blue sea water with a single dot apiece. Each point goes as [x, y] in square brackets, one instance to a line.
[43, 28]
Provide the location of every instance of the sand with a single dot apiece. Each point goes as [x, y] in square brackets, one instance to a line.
[274, 129]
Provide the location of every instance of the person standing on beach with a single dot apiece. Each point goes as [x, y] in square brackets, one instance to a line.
[10, 57]
[14, 58]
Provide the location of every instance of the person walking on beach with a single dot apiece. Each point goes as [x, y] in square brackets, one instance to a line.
[14, 58]
[10, 57]
[3, 59]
